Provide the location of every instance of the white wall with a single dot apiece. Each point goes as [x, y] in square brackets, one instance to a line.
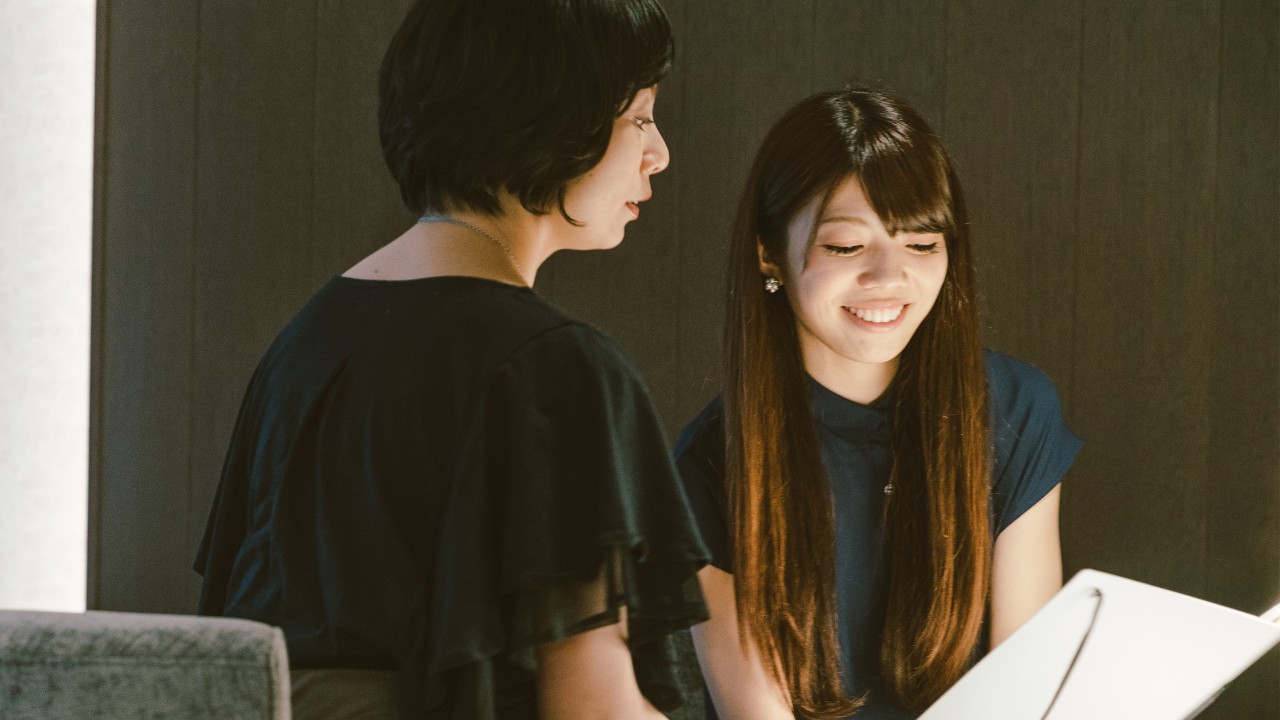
[46, 154]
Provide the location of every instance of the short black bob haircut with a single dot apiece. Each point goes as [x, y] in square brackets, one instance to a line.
[480, 96]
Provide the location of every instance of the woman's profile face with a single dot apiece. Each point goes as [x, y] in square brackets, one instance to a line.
[608, 196]
[857, 292]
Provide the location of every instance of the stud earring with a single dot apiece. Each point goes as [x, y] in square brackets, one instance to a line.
[772, 284]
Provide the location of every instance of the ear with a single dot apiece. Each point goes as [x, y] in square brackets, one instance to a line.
[768, 268]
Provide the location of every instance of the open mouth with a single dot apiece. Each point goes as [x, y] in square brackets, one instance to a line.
[877, 316]
[634, 205]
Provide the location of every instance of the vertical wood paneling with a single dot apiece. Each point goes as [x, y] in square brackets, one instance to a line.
[1243, 489]
[898, 46]
[141, 558]
[1143, 297]
[1013, 105]
[357, 208]
[252, 264]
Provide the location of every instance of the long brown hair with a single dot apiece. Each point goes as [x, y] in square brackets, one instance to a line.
[937, 530]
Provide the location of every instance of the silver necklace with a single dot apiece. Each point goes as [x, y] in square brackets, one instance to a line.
[461, 223]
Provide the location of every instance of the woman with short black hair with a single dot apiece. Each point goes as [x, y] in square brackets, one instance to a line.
[456, 500]
[506, 95]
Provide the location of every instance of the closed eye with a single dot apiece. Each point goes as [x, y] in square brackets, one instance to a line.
[842, 249]
[924, 248]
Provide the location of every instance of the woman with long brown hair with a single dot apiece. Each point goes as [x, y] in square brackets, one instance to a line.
[879, 495]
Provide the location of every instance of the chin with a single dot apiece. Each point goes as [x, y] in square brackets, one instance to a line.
[875, 357]
[605, 242]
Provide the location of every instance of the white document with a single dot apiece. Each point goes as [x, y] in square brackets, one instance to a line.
[1152, 654]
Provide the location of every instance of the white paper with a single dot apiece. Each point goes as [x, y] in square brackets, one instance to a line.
[1153, 654]
[1272, 615]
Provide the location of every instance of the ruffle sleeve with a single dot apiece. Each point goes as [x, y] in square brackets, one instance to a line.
[567, 509]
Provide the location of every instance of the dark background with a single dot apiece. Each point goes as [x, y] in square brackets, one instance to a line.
[1122, 162]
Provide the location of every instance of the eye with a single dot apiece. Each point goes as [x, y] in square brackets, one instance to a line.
[642, 121]
[924, 248]
[842, 249]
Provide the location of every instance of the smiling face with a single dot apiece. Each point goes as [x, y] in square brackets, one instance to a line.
[608, 196]
[858, 293]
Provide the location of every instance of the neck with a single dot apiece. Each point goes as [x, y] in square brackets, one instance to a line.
[438, 248]
[860, 382]
[529, 238]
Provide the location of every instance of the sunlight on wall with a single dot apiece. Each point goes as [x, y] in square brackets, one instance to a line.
[46, 186]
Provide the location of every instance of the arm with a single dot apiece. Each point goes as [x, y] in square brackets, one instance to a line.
[1026, 567]
[740, 687]
[589, 675]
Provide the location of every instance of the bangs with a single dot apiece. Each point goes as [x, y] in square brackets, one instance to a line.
[909, 189]
[903, 168]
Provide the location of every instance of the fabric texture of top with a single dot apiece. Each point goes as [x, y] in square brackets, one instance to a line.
[433, 477]
[1033, 448]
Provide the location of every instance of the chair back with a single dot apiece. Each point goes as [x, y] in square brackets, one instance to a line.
[118, 666]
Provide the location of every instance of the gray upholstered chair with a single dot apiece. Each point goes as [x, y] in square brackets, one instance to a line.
[110, 666]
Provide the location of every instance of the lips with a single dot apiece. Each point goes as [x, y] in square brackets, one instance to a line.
[878, 315]
[877, 319]
[634, 205]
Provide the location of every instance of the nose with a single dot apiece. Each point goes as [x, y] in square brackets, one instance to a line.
[882, 268]
[656, 155]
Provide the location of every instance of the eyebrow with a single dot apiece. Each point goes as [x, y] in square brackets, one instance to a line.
[843, 218]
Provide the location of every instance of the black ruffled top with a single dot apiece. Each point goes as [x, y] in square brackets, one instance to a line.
[435, 476]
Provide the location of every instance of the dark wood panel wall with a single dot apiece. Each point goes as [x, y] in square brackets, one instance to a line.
[1122, 162]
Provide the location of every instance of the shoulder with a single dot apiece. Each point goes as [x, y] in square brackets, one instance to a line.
[1013, 382]
[517, 315]
[410, 321]
[1033, 447]
[700, 456]
[571, 375]
[700, 460]
[573, 349]
[704, 435]
[1020, 394]
[1021, 397]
